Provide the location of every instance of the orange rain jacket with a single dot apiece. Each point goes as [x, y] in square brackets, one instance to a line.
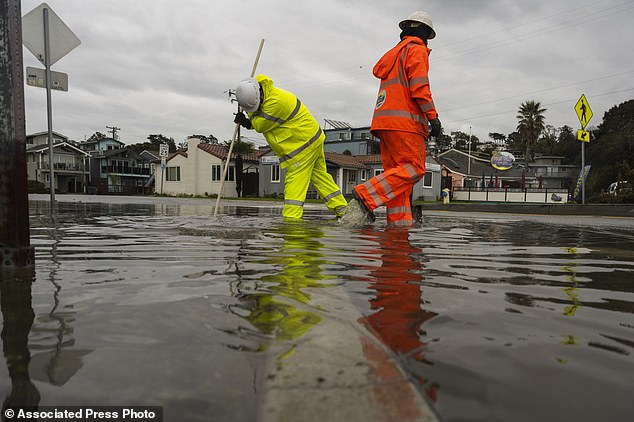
[404, 102]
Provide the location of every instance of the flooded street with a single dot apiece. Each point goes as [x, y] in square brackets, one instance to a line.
[245, 317]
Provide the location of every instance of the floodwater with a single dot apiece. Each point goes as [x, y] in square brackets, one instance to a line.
[492, 317]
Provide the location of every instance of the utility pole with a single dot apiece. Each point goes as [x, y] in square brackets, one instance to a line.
[469, 165]
[114, 130]
[15, 248]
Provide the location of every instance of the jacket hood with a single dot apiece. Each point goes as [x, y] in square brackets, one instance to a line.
[265, 82]
[382, 68]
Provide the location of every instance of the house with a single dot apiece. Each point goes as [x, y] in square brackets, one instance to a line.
[118, 171]
[198, 169]
[343, 138]
[359, 143]
[115, 169]
[549, 172]
[101, 144]
[470, 171]
[70, 164]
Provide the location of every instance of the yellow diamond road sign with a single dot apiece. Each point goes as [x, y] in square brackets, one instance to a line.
[583, 135]
[584, 113]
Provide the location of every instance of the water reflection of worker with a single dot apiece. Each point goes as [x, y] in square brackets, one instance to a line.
[282, 307]
[397, 313]
[17, 320]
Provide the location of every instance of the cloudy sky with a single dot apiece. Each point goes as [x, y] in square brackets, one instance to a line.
[159, 66]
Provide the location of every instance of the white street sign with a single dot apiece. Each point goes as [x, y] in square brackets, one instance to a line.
[37, 77]
[62, 39]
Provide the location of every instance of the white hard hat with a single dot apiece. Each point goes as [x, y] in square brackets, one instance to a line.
[422, 17]
[248, 94]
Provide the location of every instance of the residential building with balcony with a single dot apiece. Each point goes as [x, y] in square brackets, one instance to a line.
[552, 173]
[71, 165]
[115, 169]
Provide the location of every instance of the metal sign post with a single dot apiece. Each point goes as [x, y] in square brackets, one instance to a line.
[584, 113]
[37, 27]
[163, 151]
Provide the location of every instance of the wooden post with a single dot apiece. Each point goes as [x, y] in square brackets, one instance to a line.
[15, 249]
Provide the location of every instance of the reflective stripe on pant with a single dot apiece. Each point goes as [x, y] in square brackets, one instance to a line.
[403, 157]
[311, 168]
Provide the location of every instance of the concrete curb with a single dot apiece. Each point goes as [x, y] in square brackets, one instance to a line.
[609, 210]
[340, 372]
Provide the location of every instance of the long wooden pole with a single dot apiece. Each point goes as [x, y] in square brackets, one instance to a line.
[235, 134]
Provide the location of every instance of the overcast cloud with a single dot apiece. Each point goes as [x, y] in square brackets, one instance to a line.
[158, 66]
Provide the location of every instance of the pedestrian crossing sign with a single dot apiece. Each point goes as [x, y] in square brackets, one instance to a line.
[583, 135]
[584, 112]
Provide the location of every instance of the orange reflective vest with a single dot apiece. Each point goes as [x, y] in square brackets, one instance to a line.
[404, 102]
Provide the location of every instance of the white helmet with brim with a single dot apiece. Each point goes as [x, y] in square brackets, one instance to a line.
[420, 17]
[248, 94]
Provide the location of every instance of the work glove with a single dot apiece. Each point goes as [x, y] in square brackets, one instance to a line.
[435, 128]
[242, 120]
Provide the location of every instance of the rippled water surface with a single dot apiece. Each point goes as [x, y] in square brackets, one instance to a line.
[493, 318]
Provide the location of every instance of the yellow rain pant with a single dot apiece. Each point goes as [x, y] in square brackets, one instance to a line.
[311, 168]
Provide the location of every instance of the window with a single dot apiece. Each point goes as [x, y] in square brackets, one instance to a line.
[364, 174]
[377, 172]
[216, 173]
[428, 180]
[275, 173]
[352, 176]
[173, 174]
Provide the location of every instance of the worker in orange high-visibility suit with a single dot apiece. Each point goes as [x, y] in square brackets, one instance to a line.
[404, 110]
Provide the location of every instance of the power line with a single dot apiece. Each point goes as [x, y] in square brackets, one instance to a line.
[539, 91]
[570, 101]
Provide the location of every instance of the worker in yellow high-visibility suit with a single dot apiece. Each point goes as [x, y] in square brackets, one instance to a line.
[295, 137]
[279, 303]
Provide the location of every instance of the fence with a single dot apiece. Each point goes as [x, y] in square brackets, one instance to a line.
[543, 196]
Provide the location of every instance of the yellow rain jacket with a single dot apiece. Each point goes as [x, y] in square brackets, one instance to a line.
[298, 141]
[286, 123]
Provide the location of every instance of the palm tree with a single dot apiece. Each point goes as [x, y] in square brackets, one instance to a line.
[530, 125]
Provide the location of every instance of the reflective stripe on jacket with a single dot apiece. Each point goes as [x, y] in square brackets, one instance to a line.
[286, 123]
[404, 102]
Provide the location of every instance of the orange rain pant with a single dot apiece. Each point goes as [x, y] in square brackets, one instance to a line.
[403, 157]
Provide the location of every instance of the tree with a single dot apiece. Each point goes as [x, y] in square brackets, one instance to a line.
[548, 141]
[154, 143]
[611, 148]
[461, 140]
[530, 125]
[240, 147]
[443, 142]
[568, 146]
[97, 136]
[498, 138]
[211, 139]
[514, 141]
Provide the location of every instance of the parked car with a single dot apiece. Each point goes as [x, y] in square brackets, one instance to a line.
[615, 187]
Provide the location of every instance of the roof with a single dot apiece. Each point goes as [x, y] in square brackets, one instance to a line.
[59, 135]
[336, 124]
[44, 147]
[114, 152]
[457, 161]
[344, 160]
[89, 142]
[369, 159]
[221, 152]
